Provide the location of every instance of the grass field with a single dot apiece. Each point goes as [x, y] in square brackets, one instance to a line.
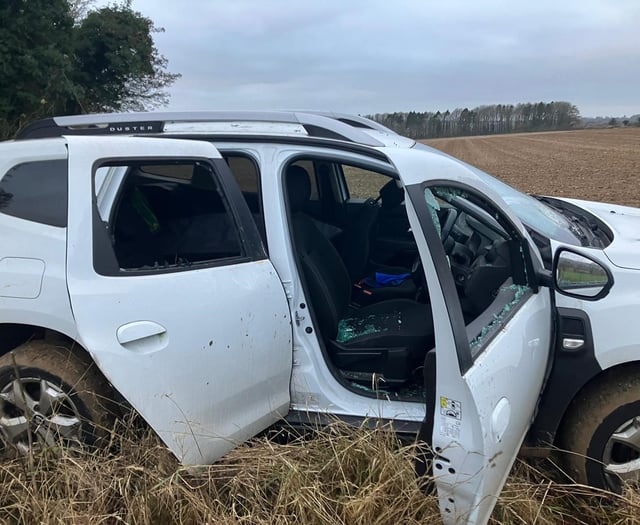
[342, 476]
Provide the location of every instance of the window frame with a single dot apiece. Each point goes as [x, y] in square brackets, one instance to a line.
[250, 245]
[467, 355]
[226, 153]
[344, 182]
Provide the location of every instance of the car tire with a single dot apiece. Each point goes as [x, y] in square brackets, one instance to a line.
[601, 434]
[51, 396]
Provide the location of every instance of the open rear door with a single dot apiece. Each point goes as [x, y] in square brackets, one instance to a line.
[492, 331]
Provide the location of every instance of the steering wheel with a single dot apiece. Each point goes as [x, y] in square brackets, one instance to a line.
[451, 214]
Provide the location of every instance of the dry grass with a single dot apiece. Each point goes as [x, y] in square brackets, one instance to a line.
[340, 475]
[337, 476]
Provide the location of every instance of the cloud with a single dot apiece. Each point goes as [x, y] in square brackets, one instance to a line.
[376, 55]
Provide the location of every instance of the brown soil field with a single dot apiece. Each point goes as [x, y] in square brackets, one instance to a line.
[601, 165]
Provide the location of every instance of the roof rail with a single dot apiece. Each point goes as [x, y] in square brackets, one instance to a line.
[316, 124]
[354, 120]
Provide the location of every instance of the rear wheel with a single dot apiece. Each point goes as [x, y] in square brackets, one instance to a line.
[602, 434]
[50, 396]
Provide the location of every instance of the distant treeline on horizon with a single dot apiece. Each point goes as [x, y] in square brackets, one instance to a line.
[483, 120]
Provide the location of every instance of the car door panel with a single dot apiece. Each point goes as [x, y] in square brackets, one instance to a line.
[197, 352]
[499, 389]
[484, 403]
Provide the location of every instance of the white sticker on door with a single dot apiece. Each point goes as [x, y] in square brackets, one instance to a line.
[450, 427]
[450, 417]
[450, 407]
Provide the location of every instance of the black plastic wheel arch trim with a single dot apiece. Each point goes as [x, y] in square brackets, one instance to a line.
[571, 370]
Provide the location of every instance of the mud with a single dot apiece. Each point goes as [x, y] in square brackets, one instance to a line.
[601, 165]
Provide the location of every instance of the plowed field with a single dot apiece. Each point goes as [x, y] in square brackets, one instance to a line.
[602, 165]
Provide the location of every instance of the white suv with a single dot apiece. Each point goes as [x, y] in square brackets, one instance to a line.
[306, 266]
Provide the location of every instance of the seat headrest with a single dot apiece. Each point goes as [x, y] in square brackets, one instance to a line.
[202, 178]
[391, 194]
[298, 187]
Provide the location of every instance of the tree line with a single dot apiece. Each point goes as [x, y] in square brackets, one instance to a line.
[60, 57]
[483, 120]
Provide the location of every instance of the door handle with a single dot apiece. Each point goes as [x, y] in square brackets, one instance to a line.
[142, 336]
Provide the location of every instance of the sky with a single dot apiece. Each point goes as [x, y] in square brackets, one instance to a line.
[375, 56]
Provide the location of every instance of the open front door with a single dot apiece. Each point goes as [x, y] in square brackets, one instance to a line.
[172, 293]
[492, 332]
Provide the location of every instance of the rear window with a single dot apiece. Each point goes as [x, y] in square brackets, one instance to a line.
[36, 191]
[168, 216]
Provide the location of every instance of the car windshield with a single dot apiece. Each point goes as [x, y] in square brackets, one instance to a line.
[533, 213]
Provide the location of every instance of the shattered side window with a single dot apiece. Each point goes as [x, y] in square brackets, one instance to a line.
[486, 259]
[506, 302]
[434, 207]
[168, 216]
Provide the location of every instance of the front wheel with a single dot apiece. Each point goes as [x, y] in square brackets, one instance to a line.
[602, 434]
[50, 396]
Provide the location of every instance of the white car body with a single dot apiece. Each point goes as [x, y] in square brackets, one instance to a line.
[206, 383]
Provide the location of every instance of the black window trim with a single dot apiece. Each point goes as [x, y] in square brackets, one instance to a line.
[311, 142]
[256, 164]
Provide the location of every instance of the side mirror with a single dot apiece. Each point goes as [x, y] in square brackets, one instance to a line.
[579, 276]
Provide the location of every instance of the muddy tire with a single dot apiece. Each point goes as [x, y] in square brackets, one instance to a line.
[602, 434]
[50, 397]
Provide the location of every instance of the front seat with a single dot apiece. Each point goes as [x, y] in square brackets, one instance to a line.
[388, 338]
[355, 246]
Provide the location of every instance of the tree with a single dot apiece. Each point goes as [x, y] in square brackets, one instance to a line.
[52, 63]
[118, 65]
[484, 120]
[80, 8]
[35, 60]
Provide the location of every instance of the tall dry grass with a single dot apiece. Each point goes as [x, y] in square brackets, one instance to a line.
[337, 476]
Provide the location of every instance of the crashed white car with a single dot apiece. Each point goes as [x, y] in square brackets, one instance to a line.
[221, 272]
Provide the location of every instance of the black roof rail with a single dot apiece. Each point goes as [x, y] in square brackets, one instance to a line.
[355, 120]
[316, 124]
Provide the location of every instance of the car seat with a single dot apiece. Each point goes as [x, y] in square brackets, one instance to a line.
[388, 338]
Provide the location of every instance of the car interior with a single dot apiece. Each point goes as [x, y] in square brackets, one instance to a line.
[362, 275]
[171, 215]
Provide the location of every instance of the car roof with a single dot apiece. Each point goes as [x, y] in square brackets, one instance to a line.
[287, 124]
[343, 131]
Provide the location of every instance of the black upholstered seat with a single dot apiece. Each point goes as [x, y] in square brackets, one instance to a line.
[388, 338]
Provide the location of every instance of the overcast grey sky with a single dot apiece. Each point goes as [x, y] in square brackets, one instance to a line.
[367, 56]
